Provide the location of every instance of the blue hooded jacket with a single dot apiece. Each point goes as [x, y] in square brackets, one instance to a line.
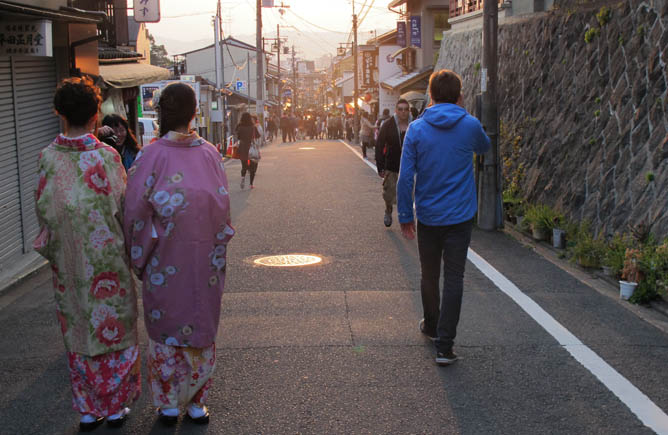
[439, 148]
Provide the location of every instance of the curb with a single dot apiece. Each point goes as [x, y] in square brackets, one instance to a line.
[656, 313]
[22, 272]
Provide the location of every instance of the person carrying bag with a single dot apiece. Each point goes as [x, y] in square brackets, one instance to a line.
[247, 133]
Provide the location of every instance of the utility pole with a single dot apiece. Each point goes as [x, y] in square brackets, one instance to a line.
[219, 71]
[259, 109]
[280, 88]
[249, 79]
[294, 81]
[356, 116]
[489, 199]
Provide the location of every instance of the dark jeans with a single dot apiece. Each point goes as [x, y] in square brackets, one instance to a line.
[250, 167]
[449, 243]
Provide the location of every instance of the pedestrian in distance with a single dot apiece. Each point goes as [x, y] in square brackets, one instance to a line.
[438, 151]
[285, 127]
[388, 154]
[78, 205]
[125, 143]
[366, 133]
[379, 123]
[246, 134]
[177, 227]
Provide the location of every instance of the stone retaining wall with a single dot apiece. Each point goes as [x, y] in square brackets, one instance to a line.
[587, 121]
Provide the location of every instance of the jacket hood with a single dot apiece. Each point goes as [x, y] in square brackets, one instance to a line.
[444, 115]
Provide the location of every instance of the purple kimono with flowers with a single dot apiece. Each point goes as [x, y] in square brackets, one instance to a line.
[177, 227]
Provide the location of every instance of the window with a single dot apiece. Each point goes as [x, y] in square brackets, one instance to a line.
[440, 25]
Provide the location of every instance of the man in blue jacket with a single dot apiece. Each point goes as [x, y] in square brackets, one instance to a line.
[438, 154]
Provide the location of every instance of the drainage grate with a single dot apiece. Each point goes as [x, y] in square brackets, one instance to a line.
[289, 260]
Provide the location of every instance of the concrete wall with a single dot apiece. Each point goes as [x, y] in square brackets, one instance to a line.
[589, 119]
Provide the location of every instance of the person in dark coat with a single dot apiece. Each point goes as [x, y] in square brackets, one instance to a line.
[388, 154]
[285, 127]
[246, 134]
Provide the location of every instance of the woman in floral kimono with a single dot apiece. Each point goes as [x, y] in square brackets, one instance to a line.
[177, 226]
[78, 204]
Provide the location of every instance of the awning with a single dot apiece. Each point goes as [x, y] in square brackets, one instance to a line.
[396, 3]
[129, 75]
[341, 81]
[413, 95]
[71, 17]
[400, 80]
[400, 52]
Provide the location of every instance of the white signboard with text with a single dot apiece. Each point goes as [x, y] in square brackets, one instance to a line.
[146, 11]
[26, 38]
[387, 67]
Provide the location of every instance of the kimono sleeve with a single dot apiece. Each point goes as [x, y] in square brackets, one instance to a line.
[140, 235]
[117, 180]
[43, 242]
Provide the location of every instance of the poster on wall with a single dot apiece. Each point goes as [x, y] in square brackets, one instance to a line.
[416, 31]
[401, 33]
[147, 92]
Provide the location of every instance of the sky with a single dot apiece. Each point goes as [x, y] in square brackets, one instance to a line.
[191, 20]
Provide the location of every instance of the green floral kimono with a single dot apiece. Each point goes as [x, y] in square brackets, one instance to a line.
[79, 198]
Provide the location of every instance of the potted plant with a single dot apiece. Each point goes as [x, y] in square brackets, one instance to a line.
[540, 217]
[651, 261]
[558, 232]
[519, 209]
[615, 253]
[631, 274]
[587, 250]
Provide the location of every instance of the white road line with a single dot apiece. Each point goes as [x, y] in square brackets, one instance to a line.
[642, 406]
[371, 165]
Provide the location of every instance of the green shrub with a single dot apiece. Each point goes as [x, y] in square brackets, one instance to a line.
[542, 217]
[649, 177]
[587, 250]
[603, 16]
[591, 34]
[615, 252]
[653, 267]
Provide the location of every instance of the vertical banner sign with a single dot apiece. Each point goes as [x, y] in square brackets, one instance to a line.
[416, 31]
[368, 67]
[146, 11]
[401, 33]
[27, 38]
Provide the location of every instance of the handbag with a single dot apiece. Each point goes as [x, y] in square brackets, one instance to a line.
[254, 153]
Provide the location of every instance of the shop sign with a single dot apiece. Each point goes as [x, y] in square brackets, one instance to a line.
[368, 67]
[27, 38]
[401, 33]
[416, 31]
[267, 3]
[147, 11]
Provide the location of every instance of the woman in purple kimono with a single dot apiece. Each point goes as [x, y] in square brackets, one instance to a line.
[177, 227]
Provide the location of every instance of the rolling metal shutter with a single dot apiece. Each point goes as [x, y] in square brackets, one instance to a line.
[27, 125]
[11, 235]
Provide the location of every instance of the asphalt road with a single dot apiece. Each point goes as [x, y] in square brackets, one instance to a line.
[335, 348]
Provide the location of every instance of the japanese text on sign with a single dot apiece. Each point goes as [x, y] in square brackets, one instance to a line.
[368, 68]
[147, 11]
[401, 33]
[31, 38]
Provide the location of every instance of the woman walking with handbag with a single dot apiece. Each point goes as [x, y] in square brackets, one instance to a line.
[247, 133]
[78, 205]
[177, 227]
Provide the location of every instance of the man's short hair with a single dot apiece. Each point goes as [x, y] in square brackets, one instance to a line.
[402, 101]
[445, 86]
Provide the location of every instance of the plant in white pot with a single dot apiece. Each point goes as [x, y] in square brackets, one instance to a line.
[540, 217]
[631, 274]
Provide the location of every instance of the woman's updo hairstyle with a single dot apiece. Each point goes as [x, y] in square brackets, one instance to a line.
[176, 107]
[78, 100]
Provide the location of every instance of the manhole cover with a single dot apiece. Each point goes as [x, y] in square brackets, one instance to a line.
[290, 260]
